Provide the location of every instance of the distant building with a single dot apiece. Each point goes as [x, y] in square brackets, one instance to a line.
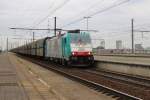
[118, 44]
[147, 48]
[139, 47]
[102, 44]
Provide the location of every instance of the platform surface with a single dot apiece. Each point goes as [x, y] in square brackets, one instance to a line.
[21, 79]
[10, 88]
[124, 59]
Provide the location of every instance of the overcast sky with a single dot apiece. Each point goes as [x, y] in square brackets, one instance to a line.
[113, 24]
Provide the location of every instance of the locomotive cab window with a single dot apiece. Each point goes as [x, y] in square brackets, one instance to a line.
[83, 38]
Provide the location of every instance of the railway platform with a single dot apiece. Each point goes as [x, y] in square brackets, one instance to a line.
[10, 85]
[129, 64]
[22, 80]
[138, 60]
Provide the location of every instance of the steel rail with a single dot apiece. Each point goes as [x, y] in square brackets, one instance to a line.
[135, 80]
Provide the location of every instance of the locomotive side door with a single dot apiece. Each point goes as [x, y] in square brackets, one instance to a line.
[63, 51]
[63, 47]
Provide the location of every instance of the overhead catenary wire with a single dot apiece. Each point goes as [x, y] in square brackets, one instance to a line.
[49, 8]
[108, 8]
[87, 9]
[52, 12]
[116, 4]
[99, 3]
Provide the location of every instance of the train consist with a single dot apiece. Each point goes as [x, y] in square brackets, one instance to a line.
[74, 48]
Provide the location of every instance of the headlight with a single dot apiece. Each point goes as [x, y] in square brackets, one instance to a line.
[73, 53]
[90, 53]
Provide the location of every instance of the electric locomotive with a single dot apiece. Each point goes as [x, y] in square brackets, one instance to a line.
[72, 48]
[81, 48]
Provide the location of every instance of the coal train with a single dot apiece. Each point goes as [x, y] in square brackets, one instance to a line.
[74, 48]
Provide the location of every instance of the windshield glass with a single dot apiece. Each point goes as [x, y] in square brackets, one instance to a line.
[80, 38]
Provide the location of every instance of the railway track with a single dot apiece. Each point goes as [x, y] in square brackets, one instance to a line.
[88, 77]
[130, 79]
